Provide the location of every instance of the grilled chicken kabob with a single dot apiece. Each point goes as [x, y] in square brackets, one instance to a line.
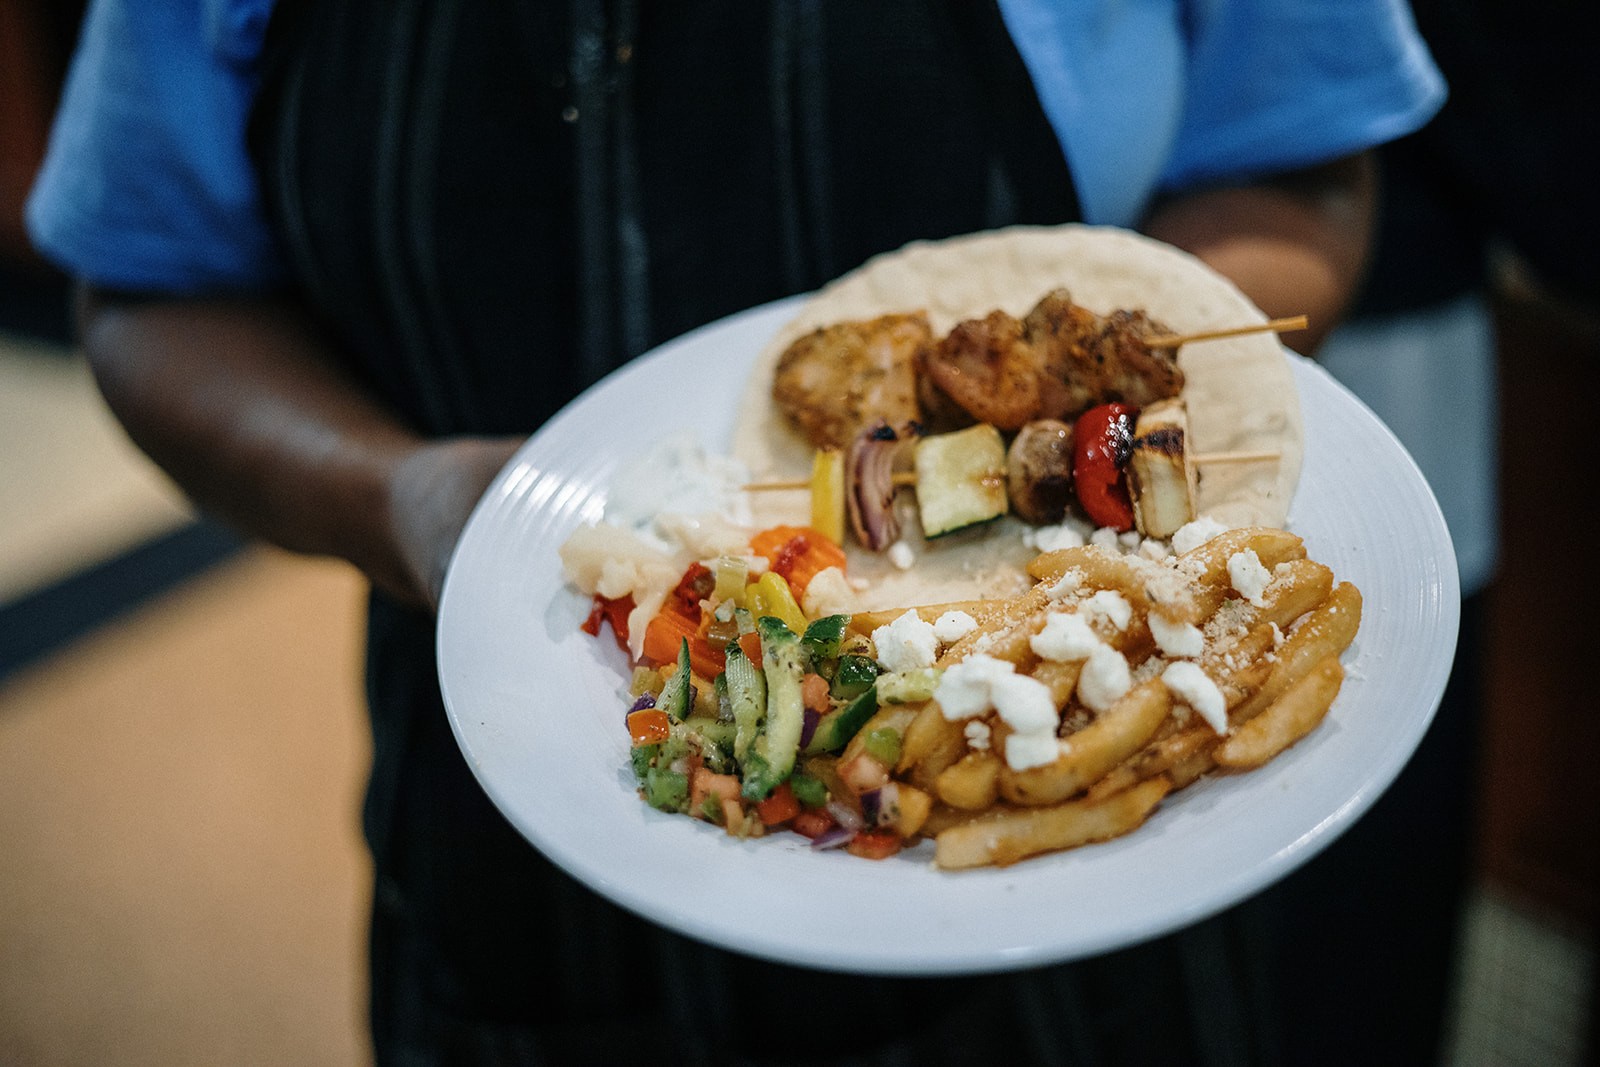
[1090, 408]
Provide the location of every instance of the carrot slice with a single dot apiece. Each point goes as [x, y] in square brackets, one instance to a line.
[798, 553]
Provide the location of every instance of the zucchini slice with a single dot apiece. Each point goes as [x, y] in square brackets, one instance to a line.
[961, 479]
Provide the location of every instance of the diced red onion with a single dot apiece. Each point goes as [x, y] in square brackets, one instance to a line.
[877, 803]
[645, 701]
[808, 726]
[871, 805]
[845, 815]
[833, 838]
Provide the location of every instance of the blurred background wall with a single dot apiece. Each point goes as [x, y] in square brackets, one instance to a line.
[182, 744]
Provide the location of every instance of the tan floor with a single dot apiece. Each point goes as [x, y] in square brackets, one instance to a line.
[182, 879]
[73, 489]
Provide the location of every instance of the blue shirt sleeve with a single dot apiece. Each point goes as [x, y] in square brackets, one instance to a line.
[1168, 94]
[1272, 85]
[147, 184]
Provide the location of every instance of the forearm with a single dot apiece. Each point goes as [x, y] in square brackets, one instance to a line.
[1296, 244]
[238, 400]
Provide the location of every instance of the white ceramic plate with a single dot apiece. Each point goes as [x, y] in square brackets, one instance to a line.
[538, 710]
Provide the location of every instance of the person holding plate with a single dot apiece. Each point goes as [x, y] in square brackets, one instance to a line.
[338, 259]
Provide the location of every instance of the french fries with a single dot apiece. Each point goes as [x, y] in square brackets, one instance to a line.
[1259, 658]
[1005, 837]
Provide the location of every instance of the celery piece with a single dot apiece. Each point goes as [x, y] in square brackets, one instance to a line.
[664, 789]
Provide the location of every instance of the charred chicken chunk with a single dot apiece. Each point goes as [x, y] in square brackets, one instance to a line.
[840, 378]
[987, 367]
[1087, 359]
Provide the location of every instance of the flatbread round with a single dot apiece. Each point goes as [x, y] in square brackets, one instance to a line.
[1239, 391]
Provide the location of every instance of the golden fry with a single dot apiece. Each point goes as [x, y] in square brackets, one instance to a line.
[864, 622]
[1158, 757]
[1008, 836]
[1092, 752]
[1285, 721]
[1327, 631]
[972, 782]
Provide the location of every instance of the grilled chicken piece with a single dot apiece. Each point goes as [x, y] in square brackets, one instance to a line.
[987, 367]
[837, 379]
[1160, 478]
[1087, 359]
[1039, 471]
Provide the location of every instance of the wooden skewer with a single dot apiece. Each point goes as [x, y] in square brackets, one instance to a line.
[1297, 322]
[908, 478]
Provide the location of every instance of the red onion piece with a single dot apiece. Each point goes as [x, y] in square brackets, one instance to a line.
[834, 838]
[869, 473]
[846, 816]
[808, 726]
[644, 702]
[871, 805]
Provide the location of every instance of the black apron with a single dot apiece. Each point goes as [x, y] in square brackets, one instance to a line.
[492, 204]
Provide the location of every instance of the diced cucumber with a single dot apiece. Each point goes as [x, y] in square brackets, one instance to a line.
[642, 756]
[961, 479]
[825, 636]
[664, 789]
[853, 677]
[677, 696]
[883, 745]
[810, 792]
[907, 687]
[784, 661]
[836, 728]
[714, 739]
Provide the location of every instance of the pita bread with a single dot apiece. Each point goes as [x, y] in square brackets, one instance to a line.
[1239, 391]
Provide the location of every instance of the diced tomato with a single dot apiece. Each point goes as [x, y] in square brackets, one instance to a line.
[862, 773]
[874, 844]
[814, 693]
[781, 806]
[648, 726]
[797, 553]
[750, 645]
[704, 784]
[614, 611]
[813, 823]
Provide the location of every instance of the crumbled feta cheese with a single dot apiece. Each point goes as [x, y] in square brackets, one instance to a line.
[1031, 750]
[901, 556]
[952, 626]
[1066, 636]
[1070, 582]
[906, 643]
[1182, 639]
[1192, 535]
[1155, 550]
[1024, 703]
[1277, 636]
[1188, 682]
[1107, 538]
[1111, 606]
[1105, 678]
[1051, 538]
[978, 735]
[1248, 576]
[964, 688]
[828, 593]
[1129, 539]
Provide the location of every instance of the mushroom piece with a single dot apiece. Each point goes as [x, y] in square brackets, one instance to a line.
[1039, 471]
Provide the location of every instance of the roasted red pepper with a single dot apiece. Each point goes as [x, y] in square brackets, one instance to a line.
[614, 612]
[1102, 441]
